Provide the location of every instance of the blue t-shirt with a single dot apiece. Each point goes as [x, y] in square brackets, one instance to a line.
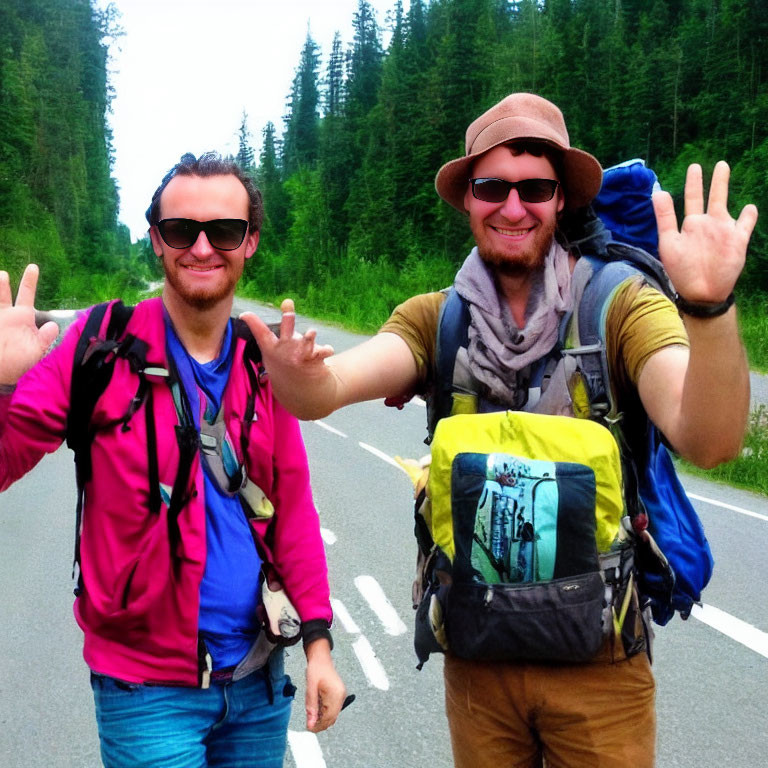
[229, 591]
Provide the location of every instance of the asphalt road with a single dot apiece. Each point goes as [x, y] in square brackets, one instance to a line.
[712, 681]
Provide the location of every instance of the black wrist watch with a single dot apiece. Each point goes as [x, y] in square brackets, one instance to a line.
[703, 309]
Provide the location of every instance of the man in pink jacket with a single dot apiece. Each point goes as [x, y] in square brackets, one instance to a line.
[169, 596]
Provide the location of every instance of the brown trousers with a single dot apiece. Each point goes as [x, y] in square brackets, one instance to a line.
[595, 715]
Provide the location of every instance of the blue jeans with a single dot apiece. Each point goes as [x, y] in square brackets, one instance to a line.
[234, 725]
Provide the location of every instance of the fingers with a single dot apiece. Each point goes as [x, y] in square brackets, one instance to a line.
[27, 287]
[322, 716]
[311, 703]
[48, 334]
[5, 289]
[664, 208]
[694, 194]
[745, 224]
[324, 700]
[288, 321]
[718, 189]
[260, 330]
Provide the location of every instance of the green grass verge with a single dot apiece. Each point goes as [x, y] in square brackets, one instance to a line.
[753, 322]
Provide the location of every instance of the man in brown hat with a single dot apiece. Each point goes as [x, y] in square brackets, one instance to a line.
[518, 178]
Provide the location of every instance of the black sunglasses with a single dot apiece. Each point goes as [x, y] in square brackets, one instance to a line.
[222, 234]
[530, 190]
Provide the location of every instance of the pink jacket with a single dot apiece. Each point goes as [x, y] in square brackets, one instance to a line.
[138, 613]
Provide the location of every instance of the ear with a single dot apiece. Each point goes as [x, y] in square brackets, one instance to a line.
[560, 199]
[251, 243]
[157, 245]
[467, 196]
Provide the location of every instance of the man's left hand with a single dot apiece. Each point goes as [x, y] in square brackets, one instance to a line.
[325, 689]
[706, 256]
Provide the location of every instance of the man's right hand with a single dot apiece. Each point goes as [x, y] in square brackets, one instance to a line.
[311, 382]
[22, 343]
[301, 380]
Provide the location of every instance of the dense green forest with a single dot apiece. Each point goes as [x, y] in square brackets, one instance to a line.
[58, 202]
[353, 222]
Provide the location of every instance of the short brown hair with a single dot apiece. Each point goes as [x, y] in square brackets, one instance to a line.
[211, 164]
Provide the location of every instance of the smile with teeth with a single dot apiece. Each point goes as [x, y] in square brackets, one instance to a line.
[196, 268]
[512, 232]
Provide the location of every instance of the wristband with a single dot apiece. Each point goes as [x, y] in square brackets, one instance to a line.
[315, 629]
[703, 309]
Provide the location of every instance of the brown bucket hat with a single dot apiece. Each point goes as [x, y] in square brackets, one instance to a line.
[522, 116]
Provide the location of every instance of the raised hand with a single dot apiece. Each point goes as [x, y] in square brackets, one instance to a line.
[22, 343]
[705, 257]
[295, 362]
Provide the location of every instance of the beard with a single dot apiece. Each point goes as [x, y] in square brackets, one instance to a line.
[520, 263]
[201, 298]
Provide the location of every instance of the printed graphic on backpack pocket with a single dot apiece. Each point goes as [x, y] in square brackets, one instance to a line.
[511, 512]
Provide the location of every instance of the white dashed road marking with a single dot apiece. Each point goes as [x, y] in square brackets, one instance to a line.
[372, 668]
[738, 630]
[341, 613]
[732, 507]
[305, 749]
[371, 590]
[329, 537]
[381, 455]
[329, 428]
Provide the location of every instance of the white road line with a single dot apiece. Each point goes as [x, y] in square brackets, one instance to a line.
[341, 613]
[738, 630]
[305, 749]
[329, 537]
[372, 668]
[329, 428]
[371, 590]
[62, 313]
[727, 506]
[381, 455]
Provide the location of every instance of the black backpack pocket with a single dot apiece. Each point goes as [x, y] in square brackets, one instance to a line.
[558, 620]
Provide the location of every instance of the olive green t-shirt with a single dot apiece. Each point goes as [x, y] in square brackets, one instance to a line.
[640, 322]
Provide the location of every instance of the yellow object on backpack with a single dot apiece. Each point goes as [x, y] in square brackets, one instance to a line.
[525, 512]
[552, 439]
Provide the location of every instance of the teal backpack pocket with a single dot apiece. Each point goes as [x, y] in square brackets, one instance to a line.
[521, 520]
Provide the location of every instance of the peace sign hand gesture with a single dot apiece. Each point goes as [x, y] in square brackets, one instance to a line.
[22, 343]
[706, 256]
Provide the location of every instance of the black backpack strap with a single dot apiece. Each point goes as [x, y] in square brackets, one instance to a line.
[254, 368]
[92, 368]
[452, 333]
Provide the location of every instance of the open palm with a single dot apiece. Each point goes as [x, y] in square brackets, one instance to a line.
[22, 343]
[705, 257]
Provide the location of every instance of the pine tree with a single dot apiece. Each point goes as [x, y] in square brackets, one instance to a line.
[300, 143]
[245, 154]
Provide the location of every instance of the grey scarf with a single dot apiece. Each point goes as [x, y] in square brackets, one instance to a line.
[498, 350]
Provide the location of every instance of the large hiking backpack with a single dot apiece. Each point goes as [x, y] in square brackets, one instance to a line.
[672, 559]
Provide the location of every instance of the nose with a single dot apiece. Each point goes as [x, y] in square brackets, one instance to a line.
[512, 208]
[201, 248]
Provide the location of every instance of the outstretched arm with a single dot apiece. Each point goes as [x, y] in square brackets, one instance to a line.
[699, 398]
[311, 382]
[22, 344]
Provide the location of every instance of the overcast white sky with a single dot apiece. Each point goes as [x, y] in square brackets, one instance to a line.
[185, 70]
